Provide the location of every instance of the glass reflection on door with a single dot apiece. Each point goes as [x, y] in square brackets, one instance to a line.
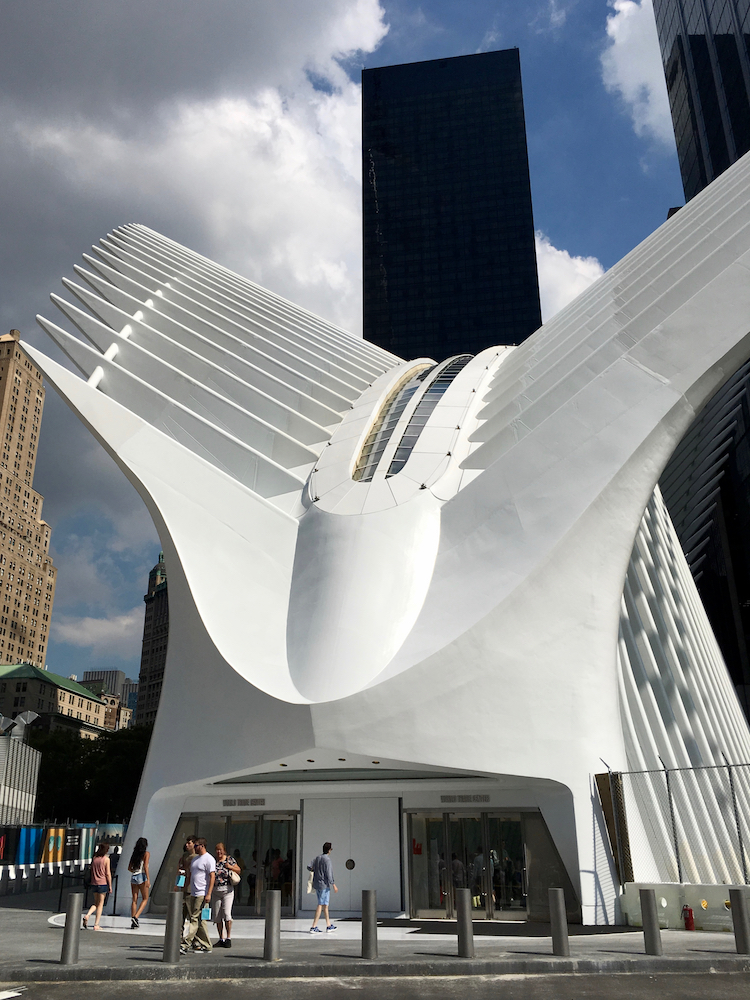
[507, 867]
[481, 852]
[428, 866]
[276, 868]
[466, 863]
[243, 838]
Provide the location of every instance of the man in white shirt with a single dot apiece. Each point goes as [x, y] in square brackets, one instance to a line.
[202, 878]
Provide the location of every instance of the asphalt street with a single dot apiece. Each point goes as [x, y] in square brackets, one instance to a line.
[578, 987]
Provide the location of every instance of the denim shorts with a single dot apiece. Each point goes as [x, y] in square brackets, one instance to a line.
[138, 879]
[323, 896]
[101, 889]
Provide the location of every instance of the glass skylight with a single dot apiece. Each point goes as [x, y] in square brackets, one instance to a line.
[380, 433]
[424, 408]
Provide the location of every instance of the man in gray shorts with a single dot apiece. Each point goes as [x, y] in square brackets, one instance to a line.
[323, 882]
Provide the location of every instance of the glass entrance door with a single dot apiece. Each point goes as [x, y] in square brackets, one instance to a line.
[428, 872]
[481, 852]
[263, 846]
[466, 863]
[277, 865]
[243, 846]
[506, 867]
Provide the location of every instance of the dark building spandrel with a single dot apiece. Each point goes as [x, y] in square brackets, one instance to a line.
[449, 257]
[705, 46]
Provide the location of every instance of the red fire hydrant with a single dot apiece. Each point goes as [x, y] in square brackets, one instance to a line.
[687, 916]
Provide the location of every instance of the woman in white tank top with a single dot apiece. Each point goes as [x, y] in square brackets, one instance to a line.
[139, 879]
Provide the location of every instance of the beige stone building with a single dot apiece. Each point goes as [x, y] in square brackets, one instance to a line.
[27, 576]
[60, 702]
[116, 715]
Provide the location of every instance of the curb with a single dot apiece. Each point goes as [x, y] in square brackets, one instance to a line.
[254, 968]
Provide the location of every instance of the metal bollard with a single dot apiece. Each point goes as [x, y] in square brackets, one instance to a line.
[650, 918]
[44, 878]
[272, 940]
[173, 929]
[369, 923]
[740, 903]
[463, 924]
[4, 879]
[558, 919]
[72, 931]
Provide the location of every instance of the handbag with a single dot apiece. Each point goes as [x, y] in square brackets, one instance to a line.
[310, 882]
[234, 878]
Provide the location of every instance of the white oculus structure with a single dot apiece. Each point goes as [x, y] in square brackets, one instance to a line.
[413, 607]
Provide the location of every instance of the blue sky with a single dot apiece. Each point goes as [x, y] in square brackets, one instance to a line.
[233, 127]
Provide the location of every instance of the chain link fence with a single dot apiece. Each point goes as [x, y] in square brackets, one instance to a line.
[680, 824]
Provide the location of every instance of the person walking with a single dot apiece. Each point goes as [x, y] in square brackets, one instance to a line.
[202, 878]
[224, 895]
[140, 880]
[183, 872]
[101, 881]
[323, 882]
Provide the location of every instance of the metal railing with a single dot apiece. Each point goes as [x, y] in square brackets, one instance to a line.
[682, 824]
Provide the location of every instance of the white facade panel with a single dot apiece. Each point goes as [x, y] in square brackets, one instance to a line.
[363, 830]
[322, 820]
[376, 851]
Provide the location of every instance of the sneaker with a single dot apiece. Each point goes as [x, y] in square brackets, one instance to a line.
[183, 949]
[133, 923]
[220, 943]
[200, 950]
[315, 930]
[228, 943]
[331, 927]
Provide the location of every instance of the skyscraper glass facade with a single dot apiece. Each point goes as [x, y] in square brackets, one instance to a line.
[704, 46]
[449, 258]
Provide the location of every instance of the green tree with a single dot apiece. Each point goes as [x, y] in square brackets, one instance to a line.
[89, 779]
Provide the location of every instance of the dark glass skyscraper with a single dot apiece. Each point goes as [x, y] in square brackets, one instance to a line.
[154, 648]
[706, 486]
[449, 258]
[704, 46]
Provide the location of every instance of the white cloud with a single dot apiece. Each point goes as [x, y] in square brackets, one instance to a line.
[269, 177]
[118, 636]
[632, 68]
[551, 16]
[561, 276]
[273, 181]
[557, 14]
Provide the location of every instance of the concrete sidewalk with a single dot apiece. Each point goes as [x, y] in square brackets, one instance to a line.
[32, 939]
